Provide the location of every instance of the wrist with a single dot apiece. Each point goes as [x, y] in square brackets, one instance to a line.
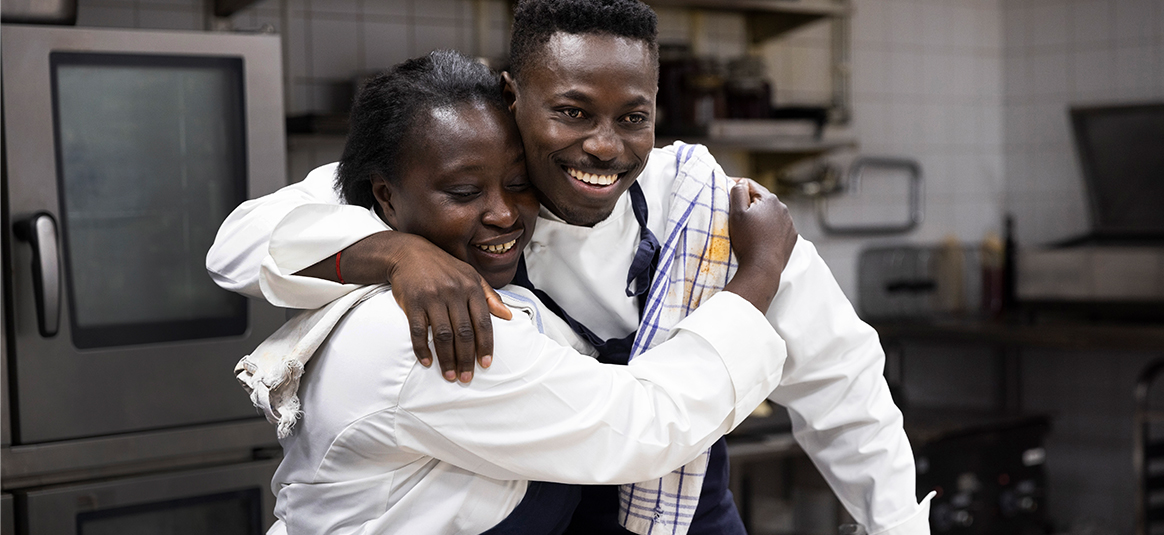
[755, 284]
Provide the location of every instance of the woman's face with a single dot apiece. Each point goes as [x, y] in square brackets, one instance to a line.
[463, 187]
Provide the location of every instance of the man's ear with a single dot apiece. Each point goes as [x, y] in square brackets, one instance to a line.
[382, 190]
[509, 90]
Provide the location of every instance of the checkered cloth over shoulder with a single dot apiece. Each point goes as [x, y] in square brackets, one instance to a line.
[695, 262]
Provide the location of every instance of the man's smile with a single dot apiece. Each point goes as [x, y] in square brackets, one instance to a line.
[592, 178]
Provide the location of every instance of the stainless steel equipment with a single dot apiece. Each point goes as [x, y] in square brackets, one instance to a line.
[920, 282]
[1092, 274]
[39, 11]
[222, 500]
[123, 152]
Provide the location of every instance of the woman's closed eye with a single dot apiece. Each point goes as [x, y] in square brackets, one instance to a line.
[462, 193]
[519, 186]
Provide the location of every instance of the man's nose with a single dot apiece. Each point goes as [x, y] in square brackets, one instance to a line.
[603, 143]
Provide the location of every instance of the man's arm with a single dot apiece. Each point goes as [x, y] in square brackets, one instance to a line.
[241, 244]
[290, 261]
[842, 414]
[840, 407]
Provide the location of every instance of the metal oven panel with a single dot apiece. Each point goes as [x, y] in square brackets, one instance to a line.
[5, 420]
[227, 499]
[67, 386]
[7, 522]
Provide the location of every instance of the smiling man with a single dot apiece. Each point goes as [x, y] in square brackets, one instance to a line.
[582, 88]
[586, 139]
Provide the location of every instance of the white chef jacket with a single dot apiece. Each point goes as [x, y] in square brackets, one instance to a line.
[841, 411]
[387, 446]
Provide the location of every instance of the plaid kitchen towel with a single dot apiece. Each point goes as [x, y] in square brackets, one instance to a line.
[695, 262]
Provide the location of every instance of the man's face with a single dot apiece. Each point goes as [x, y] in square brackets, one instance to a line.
[586, 108]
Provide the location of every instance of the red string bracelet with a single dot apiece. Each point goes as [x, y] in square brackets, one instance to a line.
[337, 270]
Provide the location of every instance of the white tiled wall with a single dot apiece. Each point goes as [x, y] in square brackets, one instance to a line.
[1061, 53]
[927, 85]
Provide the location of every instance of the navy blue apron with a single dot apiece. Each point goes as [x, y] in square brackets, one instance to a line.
[545, 508]
[597, 511]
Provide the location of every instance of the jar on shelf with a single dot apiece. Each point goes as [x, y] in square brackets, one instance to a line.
[747, 90]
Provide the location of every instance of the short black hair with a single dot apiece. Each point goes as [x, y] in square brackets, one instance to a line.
[387, 107]
[535, 21]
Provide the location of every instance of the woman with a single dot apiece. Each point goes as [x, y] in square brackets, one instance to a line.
[386, 446]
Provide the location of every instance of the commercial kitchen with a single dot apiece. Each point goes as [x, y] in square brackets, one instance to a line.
[984, 178]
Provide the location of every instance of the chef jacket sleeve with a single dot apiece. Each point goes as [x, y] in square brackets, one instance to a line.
[242, 247]
[544, 413]
[838, 400]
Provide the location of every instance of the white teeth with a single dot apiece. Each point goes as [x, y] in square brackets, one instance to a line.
[589, 178]
[498, 249]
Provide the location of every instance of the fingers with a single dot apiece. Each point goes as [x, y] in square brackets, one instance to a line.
[442, 340]
[757, 188]
[464, 348]
[418, 330]
[483, 331]
[741, 197]
[491, 304]
[496, 307]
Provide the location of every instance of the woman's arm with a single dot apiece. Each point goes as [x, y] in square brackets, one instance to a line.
[545, 412]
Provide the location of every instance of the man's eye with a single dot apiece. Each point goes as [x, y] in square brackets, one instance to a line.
[636, 118]
[573, 113]
[519, 186]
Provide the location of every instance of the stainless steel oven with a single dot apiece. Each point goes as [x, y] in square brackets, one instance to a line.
[123, 151]
[221, 500]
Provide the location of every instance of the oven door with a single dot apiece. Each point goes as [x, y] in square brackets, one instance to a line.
[125, 151]
[225, 500]
[7, 522]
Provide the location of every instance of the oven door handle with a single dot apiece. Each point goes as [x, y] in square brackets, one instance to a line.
[40, 231]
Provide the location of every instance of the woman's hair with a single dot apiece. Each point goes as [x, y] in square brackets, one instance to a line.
[391, 105]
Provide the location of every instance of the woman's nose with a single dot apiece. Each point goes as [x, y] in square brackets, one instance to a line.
[501, 211]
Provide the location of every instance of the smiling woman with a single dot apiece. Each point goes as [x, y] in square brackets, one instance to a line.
[474, 200]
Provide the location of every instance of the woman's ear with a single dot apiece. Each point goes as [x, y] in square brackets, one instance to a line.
[382, 190]
[509, 90]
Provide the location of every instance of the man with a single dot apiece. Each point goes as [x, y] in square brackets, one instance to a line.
[582, 84]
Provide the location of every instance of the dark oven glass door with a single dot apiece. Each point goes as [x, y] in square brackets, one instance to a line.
[151, 157]
[131, 156]
[226, 500]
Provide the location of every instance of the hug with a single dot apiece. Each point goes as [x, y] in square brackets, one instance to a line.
[633, 335]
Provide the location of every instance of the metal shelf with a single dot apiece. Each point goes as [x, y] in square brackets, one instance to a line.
[226, 8]
[1076, 336]
[767, 18]
[805, 145]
